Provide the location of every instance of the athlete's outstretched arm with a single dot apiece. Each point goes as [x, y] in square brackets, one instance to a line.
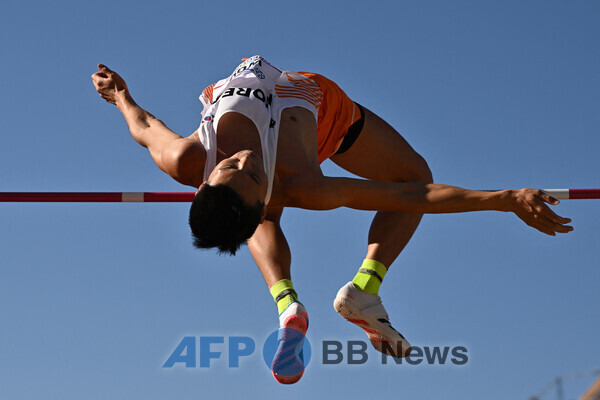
[175, 155]
[528, 204]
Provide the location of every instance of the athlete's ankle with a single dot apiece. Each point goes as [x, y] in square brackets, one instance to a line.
[284, 295]
[369, 276]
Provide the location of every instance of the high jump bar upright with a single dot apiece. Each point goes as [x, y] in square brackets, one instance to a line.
[187, 197]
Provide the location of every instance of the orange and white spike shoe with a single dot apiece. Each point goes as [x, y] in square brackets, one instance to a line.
[288, 364]
[366, 311]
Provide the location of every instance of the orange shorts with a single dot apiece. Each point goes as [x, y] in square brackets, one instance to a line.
[336, 114]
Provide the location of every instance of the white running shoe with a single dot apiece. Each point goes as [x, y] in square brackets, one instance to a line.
[288, 364]
[366, 311]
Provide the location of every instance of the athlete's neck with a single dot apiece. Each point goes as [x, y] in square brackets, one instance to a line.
[236, 132]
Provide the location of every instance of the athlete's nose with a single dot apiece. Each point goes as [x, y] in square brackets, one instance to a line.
[244, 159]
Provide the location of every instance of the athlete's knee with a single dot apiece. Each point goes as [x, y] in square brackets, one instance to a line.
[425, 174]
[419, 172]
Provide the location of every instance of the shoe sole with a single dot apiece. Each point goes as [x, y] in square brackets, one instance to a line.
[287, 368]
[378, 340]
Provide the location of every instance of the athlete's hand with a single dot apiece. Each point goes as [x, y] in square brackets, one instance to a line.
[531, 206]
[109, 84]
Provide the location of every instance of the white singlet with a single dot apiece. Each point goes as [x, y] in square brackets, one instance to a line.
[259, 91]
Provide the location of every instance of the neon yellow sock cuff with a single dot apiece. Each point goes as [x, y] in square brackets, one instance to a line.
[369, 276]
[284, 294]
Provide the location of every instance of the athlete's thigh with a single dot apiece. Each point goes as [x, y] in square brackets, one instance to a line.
[381, 153]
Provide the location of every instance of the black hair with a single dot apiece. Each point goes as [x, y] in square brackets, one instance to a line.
[220, 218]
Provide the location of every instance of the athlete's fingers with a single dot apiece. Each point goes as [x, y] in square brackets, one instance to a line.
[104, 68]
[104, 71]
[536, 213]
[556, 227]
[99, 76]
[564, 229]
[551, 215]
[550, 220]
[556, 218]
[100, 83]
[536, 219]
[551, 229]
[96, 77]
[543, 223]
[544, 229]
[548, 199]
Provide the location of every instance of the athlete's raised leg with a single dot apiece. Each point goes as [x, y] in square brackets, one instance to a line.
[380, 153]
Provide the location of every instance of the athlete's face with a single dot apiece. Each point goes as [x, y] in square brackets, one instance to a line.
[245, 174]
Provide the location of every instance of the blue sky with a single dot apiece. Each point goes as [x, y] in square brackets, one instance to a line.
[95, 297]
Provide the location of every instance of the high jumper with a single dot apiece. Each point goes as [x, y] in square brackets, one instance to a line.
[264, 133]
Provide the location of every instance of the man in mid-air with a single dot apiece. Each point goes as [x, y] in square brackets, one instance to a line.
[264, 133]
